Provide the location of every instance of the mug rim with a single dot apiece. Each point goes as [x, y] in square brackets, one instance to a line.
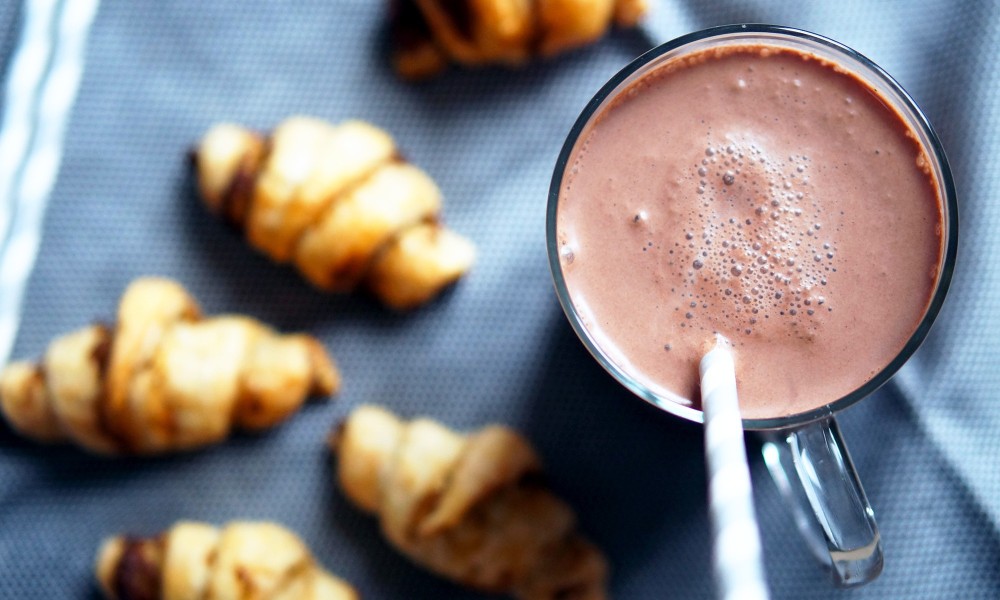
[907, 110]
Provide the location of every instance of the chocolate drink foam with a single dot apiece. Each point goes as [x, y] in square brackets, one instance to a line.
[763, 193]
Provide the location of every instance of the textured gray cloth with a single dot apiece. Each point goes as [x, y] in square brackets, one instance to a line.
[497, 347]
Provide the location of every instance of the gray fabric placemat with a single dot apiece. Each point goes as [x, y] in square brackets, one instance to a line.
[496, 348]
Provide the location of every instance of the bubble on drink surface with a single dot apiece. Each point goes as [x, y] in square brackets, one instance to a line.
[640, 217]
[764, 260]
[702, 171]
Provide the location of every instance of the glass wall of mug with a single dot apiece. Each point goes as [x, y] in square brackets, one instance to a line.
[804, 450]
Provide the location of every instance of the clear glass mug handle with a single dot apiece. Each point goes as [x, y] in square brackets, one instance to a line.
[814, 473]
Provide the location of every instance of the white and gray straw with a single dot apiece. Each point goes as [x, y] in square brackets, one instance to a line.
[737, 558]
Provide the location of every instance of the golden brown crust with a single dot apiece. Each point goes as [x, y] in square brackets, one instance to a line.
[163, 379]
[571, 23]
[465, 506]
[242, 561]
[415, 56]
[232, 164]
[147, 309]
[331, 199]
[336, 254]
[24, 404]
[416, 264]
[628, 13]
[478, 32]
[73, 386]
[481, 32]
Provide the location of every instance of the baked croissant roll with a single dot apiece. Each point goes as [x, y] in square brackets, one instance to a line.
[163, 378]
[467, 507]
[244, 560]
[428, 34]
[338, 202]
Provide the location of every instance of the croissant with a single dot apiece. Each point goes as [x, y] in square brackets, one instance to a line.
[428, 34]
[163, 379]
[192, 561]
[467, 507]
[338, 202]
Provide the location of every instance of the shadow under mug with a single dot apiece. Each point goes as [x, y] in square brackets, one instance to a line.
[805, 452]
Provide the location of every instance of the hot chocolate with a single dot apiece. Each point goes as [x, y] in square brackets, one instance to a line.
[763, 193]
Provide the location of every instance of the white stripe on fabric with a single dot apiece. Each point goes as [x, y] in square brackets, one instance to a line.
[38, 105]
[23, 86]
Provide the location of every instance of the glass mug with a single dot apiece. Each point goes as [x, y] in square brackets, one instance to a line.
[805, 452]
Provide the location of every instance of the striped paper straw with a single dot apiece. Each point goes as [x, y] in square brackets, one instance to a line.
[739, 569]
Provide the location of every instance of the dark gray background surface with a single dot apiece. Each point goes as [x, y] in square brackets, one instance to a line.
[497, 347]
